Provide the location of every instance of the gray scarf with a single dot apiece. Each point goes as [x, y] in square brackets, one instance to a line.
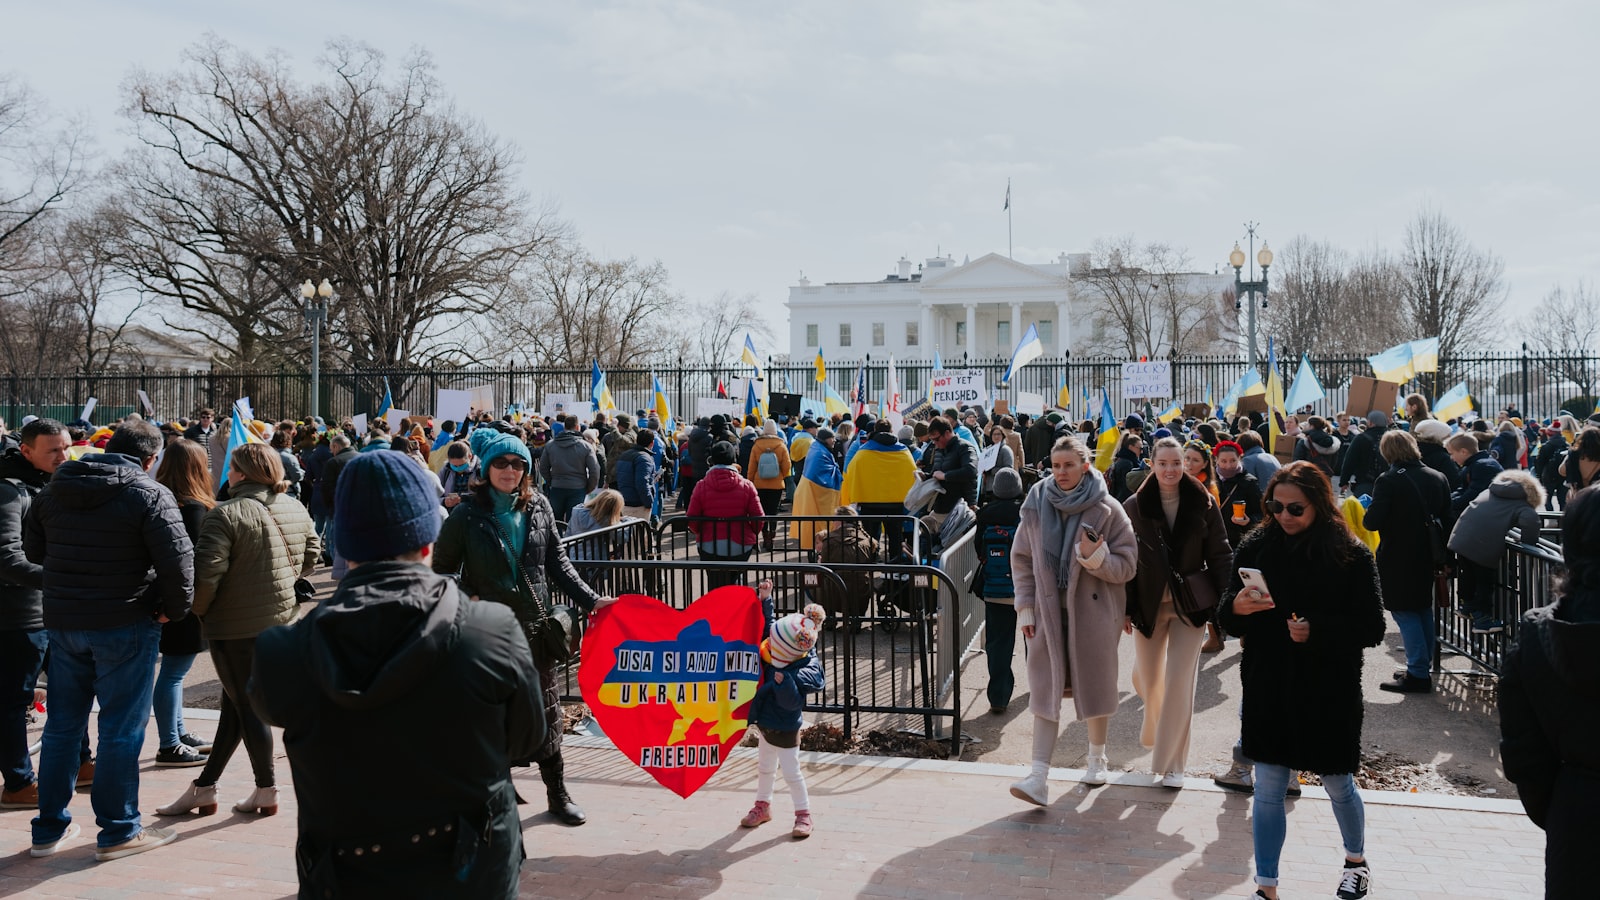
[1058, 524]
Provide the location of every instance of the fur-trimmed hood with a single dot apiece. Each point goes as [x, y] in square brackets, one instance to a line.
[1513, 481]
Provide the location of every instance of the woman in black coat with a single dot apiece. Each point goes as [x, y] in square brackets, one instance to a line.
[185, 472]
[504, 508]
[1301, 666]
[1403, 501]
[1550, 709]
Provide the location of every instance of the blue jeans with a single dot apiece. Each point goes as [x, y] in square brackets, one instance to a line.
[21, 652]
[115, 665]
[1269, 823]
[1418, 631]
[168, 699]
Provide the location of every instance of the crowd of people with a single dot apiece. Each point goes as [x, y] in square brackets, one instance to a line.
[1192, 534]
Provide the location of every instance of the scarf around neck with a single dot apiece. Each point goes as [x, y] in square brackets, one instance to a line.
[1059, 514]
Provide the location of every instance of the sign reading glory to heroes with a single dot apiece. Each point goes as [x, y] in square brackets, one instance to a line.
[1146, 380]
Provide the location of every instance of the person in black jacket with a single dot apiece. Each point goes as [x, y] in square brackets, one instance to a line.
[1128, 459]
[323, 495]
[23, 473]
[1235, 486]
[105, 533]
[1301, 667]
[997, 528]
[955, 466]
[1431, 435]
[1550, 709]
[1406, 501]
[1547, 465]
[184, 472]
[348, 680]
[1363, 463]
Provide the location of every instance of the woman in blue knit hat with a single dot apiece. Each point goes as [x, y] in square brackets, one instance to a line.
[503, 542]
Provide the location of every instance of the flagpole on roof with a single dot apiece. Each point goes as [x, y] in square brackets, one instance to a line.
[1009, 254]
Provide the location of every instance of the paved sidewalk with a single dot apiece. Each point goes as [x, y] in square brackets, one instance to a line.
[885, 828]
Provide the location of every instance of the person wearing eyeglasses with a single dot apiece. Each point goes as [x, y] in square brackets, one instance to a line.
[1301, 665]
[504, 544]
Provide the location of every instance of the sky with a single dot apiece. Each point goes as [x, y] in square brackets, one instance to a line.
[743, 143]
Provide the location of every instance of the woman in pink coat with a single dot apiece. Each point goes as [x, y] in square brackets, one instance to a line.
[1074, 552]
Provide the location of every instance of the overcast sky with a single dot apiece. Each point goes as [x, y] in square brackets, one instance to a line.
[743, 142]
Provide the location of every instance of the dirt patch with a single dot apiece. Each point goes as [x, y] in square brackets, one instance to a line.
[826, 738]
[1387, 771]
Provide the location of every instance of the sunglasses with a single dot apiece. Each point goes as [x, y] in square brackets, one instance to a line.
[1294, 509]
[510, 462]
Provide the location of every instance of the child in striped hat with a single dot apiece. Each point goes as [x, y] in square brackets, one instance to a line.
[789, 670]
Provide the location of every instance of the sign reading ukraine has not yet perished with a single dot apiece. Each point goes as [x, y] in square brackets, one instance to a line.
[672, 688]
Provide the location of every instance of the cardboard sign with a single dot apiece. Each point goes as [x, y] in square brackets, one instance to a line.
[1367, 394]
[144, 401]
[1284, 449]
[452, 406]
[1147, 380]
[670, 688]
[957, 388]
[706, 407]
[1250, 404]
[1001, 408]
[921, 411]
[1196, 410]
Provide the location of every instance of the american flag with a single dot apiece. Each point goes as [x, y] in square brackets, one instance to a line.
[860, 398]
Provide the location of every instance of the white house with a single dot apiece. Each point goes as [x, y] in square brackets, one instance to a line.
[980, 308]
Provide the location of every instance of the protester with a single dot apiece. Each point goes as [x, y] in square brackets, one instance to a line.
[955, 468]
[24, 470]
[997, 530]
[348, 681]
[1547, 467]
[98, 529]
[1238, 492]
[1301, 669]
[1317, 445]
[1364, 462]
[724, 514]
[1431, 435]
[1074, 551]
[184, 472]
[569, 467]
[1549, 721]
[1407, 501]
[789, 670]
[1478, 469]
[1581, 467]
[1255, 459]
[817, 494]
[282, 441]
[766, 465]
[323, 496]
[877, 482]
[251, 551]
[1182, 544]
[1478, 540]
[504, 544]
[636, 475]
[995, 455]
[1129, 459]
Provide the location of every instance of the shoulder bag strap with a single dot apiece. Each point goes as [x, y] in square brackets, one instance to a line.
[516, 566]
[274, 520]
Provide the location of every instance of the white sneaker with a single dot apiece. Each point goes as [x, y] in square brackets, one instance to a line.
[41, 850]
[1172, 780]
[1033, 789]
[1096, 772]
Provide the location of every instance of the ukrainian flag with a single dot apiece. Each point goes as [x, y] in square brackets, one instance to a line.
[1211, 408]
[752, 400]
[832, 402]
[1454, 403]
[1064, 396]
[1307, 389]
[1175, 411]
[598, 392]
[1030, 349]
[1276, 418]
[663, 408]
[1248, 385]
[822, 369]
[1106, 445]
[1397, 364]
[387, 402]
[239, 434]
[748, 355]
[1425, 355]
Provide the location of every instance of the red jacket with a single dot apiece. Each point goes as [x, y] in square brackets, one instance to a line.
[725, 494]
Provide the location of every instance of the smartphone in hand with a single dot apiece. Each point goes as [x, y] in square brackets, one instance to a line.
[1091, 534]
[1254, 579]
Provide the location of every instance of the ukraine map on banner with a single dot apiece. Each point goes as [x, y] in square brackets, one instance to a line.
[672, 688]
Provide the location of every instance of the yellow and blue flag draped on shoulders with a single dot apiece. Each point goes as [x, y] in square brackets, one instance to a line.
[1106, 444]
[598, 392]
[662, 407]
[1277, 419]
[822, 369]
[239, 434]
[1453, 404]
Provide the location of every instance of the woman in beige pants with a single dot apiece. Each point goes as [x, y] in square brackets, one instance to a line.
[1181, 536]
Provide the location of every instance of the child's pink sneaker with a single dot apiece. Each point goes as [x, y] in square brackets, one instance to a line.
[802, 824]
[759, 814]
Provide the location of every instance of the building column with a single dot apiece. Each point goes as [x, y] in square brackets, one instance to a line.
[972, 331]
[1063, 327]
[925, 335]
[1016, 327]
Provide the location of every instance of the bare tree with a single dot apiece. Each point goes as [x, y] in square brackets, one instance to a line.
[723, 321]
[1448, 287]
[41, 164]
[1148, 303]
[1328, 304]
[252, 182]
[1564, 330]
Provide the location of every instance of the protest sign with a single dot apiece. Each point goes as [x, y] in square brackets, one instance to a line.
[556, 404]
[452, 406]
[957, 388]
[394, 417]
[706, 407]
[1146, 380]
[359, 423]
[1032, 404]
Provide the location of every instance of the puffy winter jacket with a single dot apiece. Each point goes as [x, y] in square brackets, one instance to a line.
[636, 476]
[103, 530]
[724, 494]
[251, 550]
[753, 459]
[21, 597]
[569, 463]
[1512, 501]
[778, 706]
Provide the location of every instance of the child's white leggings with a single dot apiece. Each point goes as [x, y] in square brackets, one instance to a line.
[767, 768]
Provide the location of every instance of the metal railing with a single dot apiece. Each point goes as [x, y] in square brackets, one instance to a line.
[1527, 577]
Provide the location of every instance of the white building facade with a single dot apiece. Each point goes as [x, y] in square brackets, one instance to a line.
[980, 308]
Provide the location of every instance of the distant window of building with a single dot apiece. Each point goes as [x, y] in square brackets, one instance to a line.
[1002, 334]
[912, 333]
[961, 334]
[877, 334]
[1047, 332]
[811, 336]
[844, 334]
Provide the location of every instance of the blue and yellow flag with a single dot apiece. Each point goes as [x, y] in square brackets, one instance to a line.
[388, 399]
[662, 407]
[748, 355]
[833, 403]
[1277, 419]
[1106, 444]
[822, 368]
[598, 392]
[239, 434]
[1454, 403]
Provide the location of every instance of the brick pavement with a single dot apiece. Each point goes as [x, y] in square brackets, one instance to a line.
[885, 828]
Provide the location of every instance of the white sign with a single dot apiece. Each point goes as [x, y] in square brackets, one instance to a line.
[558, 404]
[394, 417]
[144, 400]
[956, 388]
[358, 422]
[706, 407]
[584, 410]
[1032, 404]
[452, 406]
[88, 409]
[1146, 380]
[481, 397]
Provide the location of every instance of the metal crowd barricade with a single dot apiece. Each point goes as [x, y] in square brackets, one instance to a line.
[794, 537]
[1527, 580]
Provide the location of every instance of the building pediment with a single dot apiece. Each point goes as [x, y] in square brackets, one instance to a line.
[990, 272]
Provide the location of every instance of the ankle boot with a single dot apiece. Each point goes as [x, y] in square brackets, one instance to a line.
[197, 798]
[553, 771]
[263, 800]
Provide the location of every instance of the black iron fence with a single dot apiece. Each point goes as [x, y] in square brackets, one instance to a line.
[1527, 580]
[1533, 383]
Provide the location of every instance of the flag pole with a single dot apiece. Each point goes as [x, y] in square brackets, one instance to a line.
[1009, 254]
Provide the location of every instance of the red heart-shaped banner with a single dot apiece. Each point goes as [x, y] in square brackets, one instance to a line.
[670, 688]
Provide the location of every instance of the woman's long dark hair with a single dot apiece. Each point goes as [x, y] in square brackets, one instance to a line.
[1330, 534]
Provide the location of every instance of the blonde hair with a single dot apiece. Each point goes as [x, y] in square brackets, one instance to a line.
[1399, 448]
[605, 506]
[1070, 444]
[1462, 441]
[259, 464]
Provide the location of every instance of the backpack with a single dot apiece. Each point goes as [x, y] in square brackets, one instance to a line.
[994, 579]
[767, 464]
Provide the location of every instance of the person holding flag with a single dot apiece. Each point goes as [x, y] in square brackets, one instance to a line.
[598, 391]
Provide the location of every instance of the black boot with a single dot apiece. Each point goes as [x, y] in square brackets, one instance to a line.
[561, 805]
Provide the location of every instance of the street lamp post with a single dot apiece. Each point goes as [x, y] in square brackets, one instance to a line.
[1242, 288]
[316, 311]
